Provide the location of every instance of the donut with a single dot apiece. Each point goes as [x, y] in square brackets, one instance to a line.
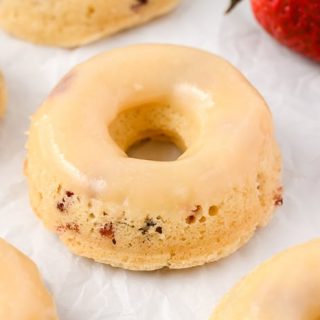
[23, 295]
[3, 96]
[285, 287]
[74, 23]
[141, 214]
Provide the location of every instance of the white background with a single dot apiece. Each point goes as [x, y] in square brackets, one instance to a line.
[89, 291]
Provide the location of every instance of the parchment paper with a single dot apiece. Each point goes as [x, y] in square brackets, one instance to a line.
[89, 291]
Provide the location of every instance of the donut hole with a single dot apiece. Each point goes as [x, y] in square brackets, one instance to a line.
[156, 132]
[156, 147]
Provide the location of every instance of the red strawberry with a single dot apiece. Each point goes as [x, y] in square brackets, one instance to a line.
[294, 23]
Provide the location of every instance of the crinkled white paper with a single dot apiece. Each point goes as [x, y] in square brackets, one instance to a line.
[85, 290]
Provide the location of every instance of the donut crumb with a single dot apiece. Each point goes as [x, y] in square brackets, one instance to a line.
[90, 11]
[278, 199]
[138, 4]
[73, 227]
[191, 219]
[65, 201]
[68, 226]
[59, 188]
[60, 206]
[148, 223]
[197, 209]
[213, 211]
[107, 231]
[60, 228]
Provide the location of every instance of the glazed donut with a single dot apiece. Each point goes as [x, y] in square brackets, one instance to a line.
[23, 295]
[3, 96]
[76, 22]
[141, 214]
[285, 287]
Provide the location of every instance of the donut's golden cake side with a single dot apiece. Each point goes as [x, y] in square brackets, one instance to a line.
[23, 295]
[141, 214]
[3, 96]
[74, 23]
[285, 287]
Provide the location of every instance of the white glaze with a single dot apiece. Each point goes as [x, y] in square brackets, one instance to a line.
[232, 120]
